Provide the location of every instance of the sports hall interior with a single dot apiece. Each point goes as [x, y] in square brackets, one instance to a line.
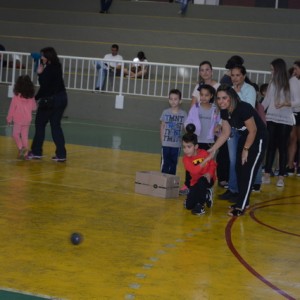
[136, 246]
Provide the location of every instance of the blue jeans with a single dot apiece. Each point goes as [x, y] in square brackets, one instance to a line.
[102, 74]
[232, 150]
[184, 5]
[169, 159]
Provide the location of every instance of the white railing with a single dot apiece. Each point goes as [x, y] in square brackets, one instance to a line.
[80, 73]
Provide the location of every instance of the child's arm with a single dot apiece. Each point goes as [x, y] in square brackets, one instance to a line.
[11, 109]
[162, 130]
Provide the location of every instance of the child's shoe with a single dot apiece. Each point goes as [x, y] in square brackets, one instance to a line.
[198, 210]
[209, 198]
[184, 190]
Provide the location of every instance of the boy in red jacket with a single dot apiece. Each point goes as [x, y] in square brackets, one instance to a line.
[202, 176]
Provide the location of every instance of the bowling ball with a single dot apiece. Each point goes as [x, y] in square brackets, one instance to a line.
[76, 238]
[190, 128]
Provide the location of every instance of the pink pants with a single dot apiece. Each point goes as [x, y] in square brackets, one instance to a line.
[20, 135]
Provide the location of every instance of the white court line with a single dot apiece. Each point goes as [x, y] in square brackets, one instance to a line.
[29, 294]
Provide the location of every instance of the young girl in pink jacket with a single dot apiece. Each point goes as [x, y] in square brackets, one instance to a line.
[20, 112]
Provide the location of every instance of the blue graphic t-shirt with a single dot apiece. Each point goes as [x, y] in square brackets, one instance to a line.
[173, 129]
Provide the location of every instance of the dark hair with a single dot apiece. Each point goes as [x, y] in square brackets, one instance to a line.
[115, 46]
[24, 86]
[263, 88]
[234, 61]
[205, 62]
[241, 68]
[141, 55]
[208, 87]
[190, 138]
[175, 91]
[234, 97]
[297, 63]
[51, 55]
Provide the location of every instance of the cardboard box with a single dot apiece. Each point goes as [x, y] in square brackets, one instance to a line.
[157, 184]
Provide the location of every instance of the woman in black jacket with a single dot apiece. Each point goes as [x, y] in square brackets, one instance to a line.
[52, 100]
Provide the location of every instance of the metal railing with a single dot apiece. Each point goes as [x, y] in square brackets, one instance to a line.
[80, 73]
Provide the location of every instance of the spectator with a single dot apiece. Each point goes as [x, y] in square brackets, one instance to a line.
[139, 70]
[105, 6]
[294, 141]
[205, 77]
[110, 63]
[172, 120]
[279, 118]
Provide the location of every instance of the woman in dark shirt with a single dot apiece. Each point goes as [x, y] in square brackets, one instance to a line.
[251, 145]
[53, 89]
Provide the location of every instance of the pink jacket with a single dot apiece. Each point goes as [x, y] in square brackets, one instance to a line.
[20, 110]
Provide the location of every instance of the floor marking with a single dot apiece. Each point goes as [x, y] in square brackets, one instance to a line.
[241, 259]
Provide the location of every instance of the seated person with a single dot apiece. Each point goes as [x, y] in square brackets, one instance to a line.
[139, 70]
[108, 64]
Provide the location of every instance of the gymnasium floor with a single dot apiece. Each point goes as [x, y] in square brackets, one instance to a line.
[135, 246]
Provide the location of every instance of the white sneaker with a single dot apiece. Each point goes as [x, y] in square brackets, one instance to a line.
[266, 180]
[280, 183]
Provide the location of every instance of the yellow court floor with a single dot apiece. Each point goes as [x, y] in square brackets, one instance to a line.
[135, 246]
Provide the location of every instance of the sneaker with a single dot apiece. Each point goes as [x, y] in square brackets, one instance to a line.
[209, 198]
[234, 206]
[184, 190]
[280, 182]
[228, 195]
[298, 171]
[266, 180]
[33, 156]
[236, 212]
[223, 184]
[55, 158]
[290, 171]
[198, 210]
[256, 187]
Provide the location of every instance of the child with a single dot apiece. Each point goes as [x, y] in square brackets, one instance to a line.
[202, 177]
[20, 113]
[172, 120]
[206, 118]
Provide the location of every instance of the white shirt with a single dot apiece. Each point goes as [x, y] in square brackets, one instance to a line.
[109, 58]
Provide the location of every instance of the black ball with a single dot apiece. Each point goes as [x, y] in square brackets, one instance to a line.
[190, 128]
[76, 238]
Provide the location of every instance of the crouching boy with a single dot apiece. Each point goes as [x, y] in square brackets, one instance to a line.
[202, 176]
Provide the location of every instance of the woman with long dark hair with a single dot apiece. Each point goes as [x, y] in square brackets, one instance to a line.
[251, 144]
[52, 100]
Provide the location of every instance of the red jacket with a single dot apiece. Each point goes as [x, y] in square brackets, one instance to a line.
[192, 165]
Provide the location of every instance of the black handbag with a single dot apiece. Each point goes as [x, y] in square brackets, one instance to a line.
[46, 103]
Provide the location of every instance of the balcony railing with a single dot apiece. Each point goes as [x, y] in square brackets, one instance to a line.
[80, 73]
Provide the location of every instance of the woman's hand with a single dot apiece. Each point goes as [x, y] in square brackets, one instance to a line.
[244, 156]
[211, 154]
[40, 69]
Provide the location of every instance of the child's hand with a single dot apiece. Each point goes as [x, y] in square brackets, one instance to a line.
[207, 176]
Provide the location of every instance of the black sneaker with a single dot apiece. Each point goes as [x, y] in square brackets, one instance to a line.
[55, 158]
[209, 198]
[198, 210]
[30, 155]
[256, 187]
[290, 171]
[298, 171]
[236, 212]
[228, 195]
